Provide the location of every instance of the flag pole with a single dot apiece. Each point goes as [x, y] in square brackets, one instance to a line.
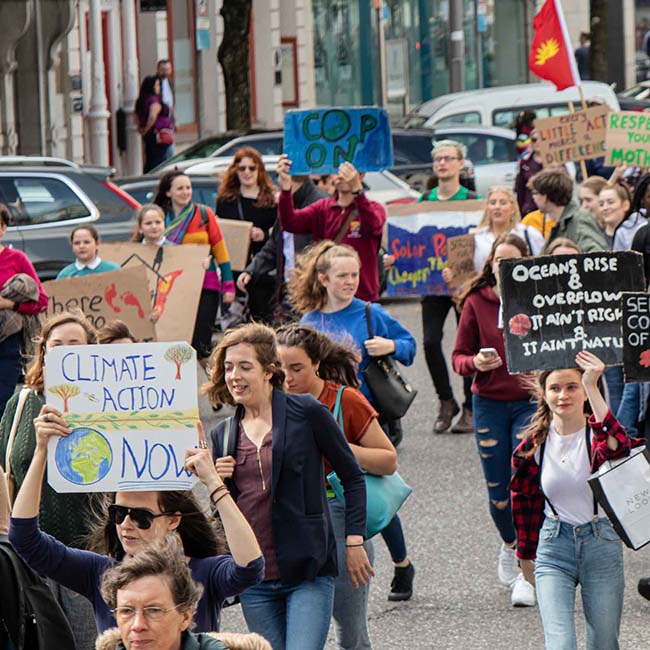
[583, 166]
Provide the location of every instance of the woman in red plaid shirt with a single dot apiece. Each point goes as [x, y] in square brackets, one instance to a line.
[563, 536]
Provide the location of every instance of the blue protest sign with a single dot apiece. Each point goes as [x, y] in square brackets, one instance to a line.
[317, 141]
[417, 237]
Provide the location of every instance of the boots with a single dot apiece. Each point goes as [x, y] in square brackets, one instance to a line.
[465, 423]
[448, 409]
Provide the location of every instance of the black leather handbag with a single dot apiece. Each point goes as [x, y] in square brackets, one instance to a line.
[392, 394]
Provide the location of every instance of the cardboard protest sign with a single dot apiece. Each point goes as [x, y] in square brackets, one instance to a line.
[555, 306]
[572, 137]
[175, 276]
[317, 141]
[237, 235]
[103, 297]
[132, 410]
[628, 135]
[417, 237]
[636, 337]
[460, 259]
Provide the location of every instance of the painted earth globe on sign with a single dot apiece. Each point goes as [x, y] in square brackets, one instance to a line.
[84, 457]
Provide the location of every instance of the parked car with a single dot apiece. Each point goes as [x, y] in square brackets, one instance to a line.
[143, 188]
[636, 98]
[499, 106]
[47, 200]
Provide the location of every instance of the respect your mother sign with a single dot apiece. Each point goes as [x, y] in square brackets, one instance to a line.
[133, 411]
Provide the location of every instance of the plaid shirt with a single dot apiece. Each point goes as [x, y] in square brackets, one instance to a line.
[525, 487]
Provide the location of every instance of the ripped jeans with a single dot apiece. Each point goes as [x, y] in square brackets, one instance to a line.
[498, 425]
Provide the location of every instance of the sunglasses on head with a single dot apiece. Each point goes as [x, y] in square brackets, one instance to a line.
[141, 517]
[243, 168]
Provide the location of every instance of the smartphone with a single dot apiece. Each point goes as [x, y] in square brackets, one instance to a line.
[488, 352]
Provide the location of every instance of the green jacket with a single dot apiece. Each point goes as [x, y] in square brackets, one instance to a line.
[64, 516]
[580, 227]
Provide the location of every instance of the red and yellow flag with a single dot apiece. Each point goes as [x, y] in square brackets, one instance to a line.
[551, 56]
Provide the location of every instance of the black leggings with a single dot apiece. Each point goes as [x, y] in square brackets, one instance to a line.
[205, 319]
[434, 314]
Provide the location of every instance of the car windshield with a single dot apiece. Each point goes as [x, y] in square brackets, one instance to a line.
[638, 92]
[413, 148]
[203, 149]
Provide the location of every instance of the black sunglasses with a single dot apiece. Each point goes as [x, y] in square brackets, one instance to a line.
[139, 516]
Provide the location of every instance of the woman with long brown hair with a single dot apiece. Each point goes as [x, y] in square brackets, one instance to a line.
[246, 193]
[501, 405]
[271, 455]
[563, 537]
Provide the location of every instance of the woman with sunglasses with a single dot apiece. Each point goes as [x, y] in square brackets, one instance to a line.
[246, 193]
[129, 522]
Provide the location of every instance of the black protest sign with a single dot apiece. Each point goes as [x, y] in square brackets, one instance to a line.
[636, 337]
[555, 306]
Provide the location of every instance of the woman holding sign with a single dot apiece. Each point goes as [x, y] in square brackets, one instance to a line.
[271, 454]
[501, 402]
[129, 522]
[187, 222]
[563, 537]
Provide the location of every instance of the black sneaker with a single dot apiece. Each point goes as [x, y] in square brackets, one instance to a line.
[401, 588]
[644, 587]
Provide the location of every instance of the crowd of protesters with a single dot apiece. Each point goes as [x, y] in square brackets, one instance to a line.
[280, 540]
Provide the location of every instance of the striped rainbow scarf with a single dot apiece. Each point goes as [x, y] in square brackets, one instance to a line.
[177, 226]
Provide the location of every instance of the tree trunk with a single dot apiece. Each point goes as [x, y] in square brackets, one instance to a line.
[233, 56]
[598, 50]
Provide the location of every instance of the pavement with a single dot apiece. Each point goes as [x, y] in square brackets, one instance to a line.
[458, 602]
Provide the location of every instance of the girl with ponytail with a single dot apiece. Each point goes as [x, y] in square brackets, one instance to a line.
[563, 536]
[315, 364]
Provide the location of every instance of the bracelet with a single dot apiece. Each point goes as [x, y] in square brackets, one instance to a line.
[216, 490]
[354, 545]
[223, 496]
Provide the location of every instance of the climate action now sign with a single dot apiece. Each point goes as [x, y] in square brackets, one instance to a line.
[553, 307]
[319, 141]
[628, 137]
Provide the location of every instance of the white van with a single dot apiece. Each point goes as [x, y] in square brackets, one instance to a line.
[499, 106]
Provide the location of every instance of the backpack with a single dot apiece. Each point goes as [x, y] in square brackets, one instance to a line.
[30, 617]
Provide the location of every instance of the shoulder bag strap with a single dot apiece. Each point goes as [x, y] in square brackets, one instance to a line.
[203, 210]
[240, 210]
[371, 333]
[226, 437]
[344, 228]
[338, 408]
[590, 460]
[20, 406]
[541, 462]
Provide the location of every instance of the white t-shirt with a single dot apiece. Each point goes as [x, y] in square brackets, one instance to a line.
[483, 240]
[565, 471]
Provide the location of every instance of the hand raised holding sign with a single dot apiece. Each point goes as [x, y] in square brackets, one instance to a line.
[593, 368]
[49, 423]
[349, 175]
[283, 171]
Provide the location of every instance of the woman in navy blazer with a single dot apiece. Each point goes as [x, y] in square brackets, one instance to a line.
[270, 453]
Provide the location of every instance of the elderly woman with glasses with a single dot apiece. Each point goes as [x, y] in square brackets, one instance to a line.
[154, 599]
[130, 522]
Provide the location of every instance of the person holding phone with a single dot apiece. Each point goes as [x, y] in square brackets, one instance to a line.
[501, 403]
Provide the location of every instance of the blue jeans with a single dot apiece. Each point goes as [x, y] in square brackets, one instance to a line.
[589, 555]
[10, 360]
[630, 408]
[290, 617]
[350, 604]
[614, 379]
[497, 425]
[393, 536]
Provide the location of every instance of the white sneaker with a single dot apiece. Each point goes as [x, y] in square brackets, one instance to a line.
[507, 566]
[523, 593]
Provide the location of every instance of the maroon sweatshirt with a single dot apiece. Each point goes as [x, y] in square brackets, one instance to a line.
[478, 329]
[325, 218]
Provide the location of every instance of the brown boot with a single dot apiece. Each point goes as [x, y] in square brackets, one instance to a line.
[448, 409]
[465, 423]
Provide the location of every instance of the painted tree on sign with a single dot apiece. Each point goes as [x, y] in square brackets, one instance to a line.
[65, 392]
[179, 354]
